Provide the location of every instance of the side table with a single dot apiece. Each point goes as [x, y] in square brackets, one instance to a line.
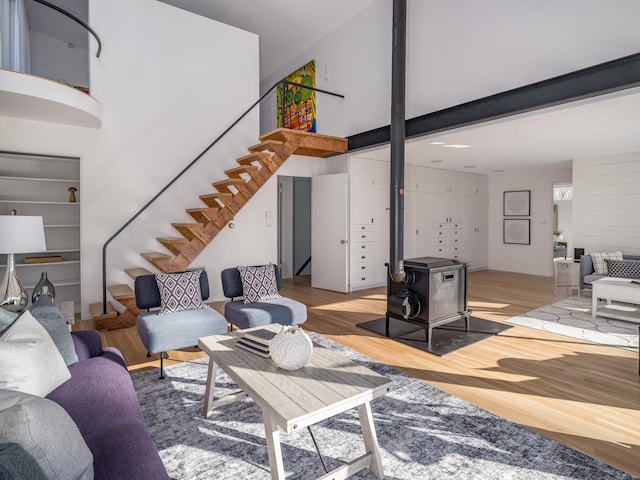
[565, 273]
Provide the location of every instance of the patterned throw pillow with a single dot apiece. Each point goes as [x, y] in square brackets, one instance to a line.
[623, 268]
[599, 265]
[179, 291]
[259, 283]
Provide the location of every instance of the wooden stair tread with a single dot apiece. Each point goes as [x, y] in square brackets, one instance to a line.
[96, 311]
[254, 157]
[186, 225]
[217, 195]
[136, 272]
[121, 292]
[154, 256]
[267, 145]
[230, 181]
[241, 169]
[174, 240]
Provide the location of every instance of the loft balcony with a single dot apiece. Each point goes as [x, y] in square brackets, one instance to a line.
[36, 98]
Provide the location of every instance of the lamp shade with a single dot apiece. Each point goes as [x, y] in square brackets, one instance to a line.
[21, 234]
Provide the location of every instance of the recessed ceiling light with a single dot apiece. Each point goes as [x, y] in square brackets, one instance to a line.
[436, 143]
[453, 145]
[469, 166]
[436, 161]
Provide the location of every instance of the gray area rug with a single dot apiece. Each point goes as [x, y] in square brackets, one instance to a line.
[423, 433]
[571, 317]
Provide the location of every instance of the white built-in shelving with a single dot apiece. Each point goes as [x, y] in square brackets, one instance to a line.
[35, 184]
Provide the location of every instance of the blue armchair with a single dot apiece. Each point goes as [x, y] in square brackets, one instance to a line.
[172, 331]
[285, 311]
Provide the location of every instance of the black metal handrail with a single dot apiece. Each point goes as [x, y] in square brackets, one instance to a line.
[155, 197]
[75, 19]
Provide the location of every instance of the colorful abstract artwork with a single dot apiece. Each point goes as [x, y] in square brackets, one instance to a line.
[296, 105]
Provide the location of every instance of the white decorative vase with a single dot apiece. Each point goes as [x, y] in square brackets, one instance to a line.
[291, 349]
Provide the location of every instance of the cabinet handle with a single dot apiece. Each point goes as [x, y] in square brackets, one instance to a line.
[363, 268]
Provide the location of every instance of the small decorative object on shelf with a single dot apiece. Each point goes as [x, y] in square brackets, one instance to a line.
[43, 287]
[72, 194]
[291, 349]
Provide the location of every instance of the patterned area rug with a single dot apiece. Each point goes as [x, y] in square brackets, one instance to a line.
[571, 317]
[423, 433]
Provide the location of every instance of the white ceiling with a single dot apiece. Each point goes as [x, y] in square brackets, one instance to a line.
[286, 28]
[542, 139]
[548, 138]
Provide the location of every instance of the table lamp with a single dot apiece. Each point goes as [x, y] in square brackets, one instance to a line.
[18, 234]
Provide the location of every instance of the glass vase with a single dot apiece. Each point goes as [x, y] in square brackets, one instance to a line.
[43, 287]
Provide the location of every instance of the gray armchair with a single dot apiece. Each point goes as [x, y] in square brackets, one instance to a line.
[172, 331]
[285, 311]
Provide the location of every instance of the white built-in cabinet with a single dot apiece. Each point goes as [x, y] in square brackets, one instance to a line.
[369, 222]
[39, 185]
[446, 215]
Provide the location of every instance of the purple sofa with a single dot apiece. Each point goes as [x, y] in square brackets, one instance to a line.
[100, 398]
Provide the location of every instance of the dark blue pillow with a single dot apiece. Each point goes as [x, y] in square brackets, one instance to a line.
[54, 323]
[6, 319]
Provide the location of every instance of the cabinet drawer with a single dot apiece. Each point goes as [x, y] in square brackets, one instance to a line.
[366, 227]
[441, 233]
[360, 268]
[363, 256]
[362, 236]
[438, 242]
[362, 247]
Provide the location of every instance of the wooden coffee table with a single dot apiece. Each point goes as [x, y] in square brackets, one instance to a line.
[619, 289]
[292, 400]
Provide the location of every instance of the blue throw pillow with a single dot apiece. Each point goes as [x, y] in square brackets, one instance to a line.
[6, 319]
[54, 323]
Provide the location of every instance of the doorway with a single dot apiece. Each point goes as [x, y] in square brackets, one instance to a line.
[562, 220]
[294, 226]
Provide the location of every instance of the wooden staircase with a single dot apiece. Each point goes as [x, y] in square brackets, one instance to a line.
[220, 207]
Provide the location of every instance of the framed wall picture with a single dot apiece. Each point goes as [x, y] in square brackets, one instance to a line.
[517, 231]
[517, 203]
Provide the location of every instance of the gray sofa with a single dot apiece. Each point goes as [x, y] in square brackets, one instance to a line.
[587, 273]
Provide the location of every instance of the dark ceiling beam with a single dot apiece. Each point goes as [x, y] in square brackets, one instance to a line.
[608, 77]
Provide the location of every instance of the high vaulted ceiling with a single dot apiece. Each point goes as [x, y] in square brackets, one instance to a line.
[543, 139]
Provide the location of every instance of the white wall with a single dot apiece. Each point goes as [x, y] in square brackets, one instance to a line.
[536, 258]
[606, 203]
[52, 58]
[457, 51]
[165, 98]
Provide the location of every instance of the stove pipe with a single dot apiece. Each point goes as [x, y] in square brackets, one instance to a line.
[398, 67]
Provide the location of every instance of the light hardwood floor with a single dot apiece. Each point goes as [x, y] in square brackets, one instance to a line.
[580, 394]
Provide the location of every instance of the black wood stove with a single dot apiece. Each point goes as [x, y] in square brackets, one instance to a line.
[433, 292]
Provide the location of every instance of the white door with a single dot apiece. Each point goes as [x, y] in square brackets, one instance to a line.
[329, 232]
